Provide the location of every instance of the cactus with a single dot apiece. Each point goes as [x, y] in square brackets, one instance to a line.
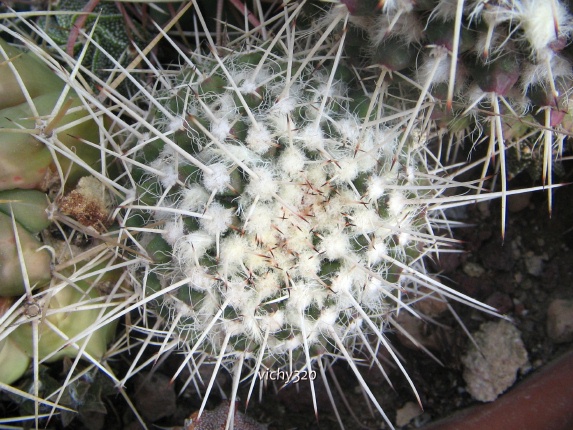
[286, 213]
[281, 197]
[30, 117]
[492, 63]
[54, 291]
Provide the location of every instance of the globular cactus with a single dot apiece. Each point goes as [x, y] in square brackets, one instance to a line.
[285, 214]
[281, 198]
[112, 31]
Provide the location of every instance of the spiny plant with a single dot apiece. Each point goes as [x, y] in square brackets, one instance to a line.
[497, 73]
[61, 266]
[286, 205]
[280, 200]
[113, 28]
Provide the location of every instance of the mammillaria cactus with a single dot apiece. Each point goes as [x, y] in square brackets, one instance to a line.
[499, 70]
[281, 197]
[285, 215]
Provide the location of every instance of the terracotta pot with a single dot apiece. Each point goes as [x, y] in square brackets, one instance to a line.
[542, 401]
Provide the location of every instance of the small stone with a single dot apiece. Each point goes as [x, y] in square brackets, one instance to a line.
[560, 320]
[430, 305]
[501, 302]
[518, 202]
[474, 270]
[492, 369]
[534, 265]
[407, 413]
[418, 335]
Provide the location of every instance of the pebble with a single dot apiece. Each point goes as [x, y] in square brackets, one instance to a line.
[518, 202]
[155, 396]
[407, 413]
[560, 320]
[474, 270]
[493, 368]
[534, 265]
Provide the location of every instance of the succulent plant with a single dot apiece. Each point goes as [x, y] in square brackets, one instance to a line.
[483, 66]
[111, 33]
[285, 212]
[54, 288]
[280, 197]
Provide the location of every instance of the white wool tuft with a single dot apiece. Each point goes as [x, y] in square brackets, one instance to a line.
[437, 58]
[534, 74]
[260, 220]
[193, 198]
[308, 265]
[404, 238]
[346, 170]
[233, 249]
[218, 179]
[312, 138]
[376, 187]
[376, 253]
[292, 161]
[343, 282]
[284, 106]
[259, 139]
[396, 204]
[335, 245]
[199, 279]
[273, 321]
[248, 87]
[177, 123]
[264, 186]
[173, 231]
[327, 319]
[365, 220]
[538, 23]
[217, 219]
[349, 129]
[373, 291]
[220, 129]
[166, 163]
[302, 294]
[192, 246]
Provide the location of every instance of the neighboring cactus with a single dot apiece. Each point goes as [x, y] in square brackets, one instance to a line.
[481, 63]
[53, 292]
[31, 115]
[113, 30]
